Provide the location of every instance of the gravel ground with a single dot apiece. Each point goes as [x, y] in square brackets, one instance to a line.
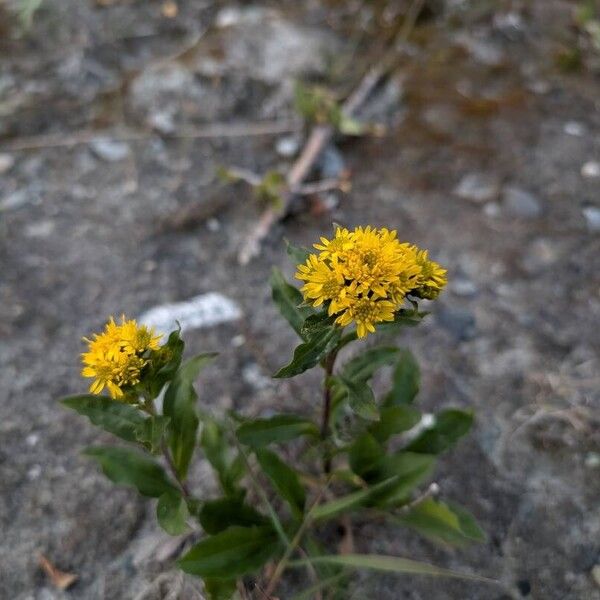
[491, 159]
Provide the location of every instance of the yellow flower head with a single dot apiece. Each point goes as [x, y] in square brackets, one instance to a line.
[363, 276]
[116, 357]
[433, 278]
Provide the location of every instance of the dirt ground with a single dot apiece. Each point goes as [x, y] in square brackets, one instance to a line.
[491, 159]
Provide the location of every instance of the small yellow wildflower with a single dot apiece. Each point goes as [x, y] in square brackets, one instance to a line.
[364, 276]
[433, 278]
[116, 357]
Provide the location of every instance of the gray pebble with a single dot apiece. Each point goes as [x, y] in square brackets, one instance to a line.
[109, 150]
[521, 203]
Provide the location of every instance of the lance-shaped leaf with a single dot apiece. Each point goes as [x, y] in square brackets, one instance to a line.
[284, 479]
[365, 452]
[351, 501]
[388, 564]
[449, 426]
[359, 395]
[167, 360]
[217, 515]
[172, 513]
[279, 428]
[442, 522]
[118, 418]
[405, 380]
[219, 453]
[363, 366]
[130, 467]
[394, 420]
[151, 432]
[410, 470]
[404, 317]
[179, 406]
[298, 254]
[231, 553]
[310, 352]
[219, 589]
[288, 300]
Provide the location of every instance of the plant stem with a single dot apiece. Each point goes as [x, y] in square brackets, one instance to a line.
[282, 564]
[328, 367]
[148, 406]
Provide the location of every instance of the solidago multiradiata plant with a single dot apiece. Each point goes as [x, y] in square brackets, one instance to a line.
[285, 479]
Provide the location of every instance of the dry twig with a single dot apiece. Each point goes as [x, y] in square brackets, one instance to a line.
[320, 136]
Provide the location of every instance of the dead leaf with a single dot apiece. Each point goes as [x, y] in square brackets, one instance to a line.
[59, 579]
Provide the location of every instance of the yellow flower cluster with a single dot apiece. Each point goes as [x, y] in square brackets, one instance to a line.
[116, 357]
[364, 275]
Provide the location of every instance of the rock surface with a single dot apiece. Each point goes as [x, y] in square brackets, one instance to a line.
[513, 338]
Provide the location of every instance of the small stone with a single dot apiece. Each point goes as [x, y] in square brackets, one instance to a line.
[287, 146]
[206, 310]
[460, 323]
[463, 287]
[492, 210]
[34, 472]
[6, 163]
[213, 225]
[592, 217]
[238, 341]
[162, 121]
[331, 163]
[477, 187]
[591, 169]
[109, 150]
[40, 229]
[592, 460]
[521, 203]
[482, 50]
[32, 439]
[574, 128]
[15, 200]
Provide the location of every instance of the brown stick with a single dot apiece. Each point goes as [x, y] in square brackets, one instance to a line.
[216, 130]
[318, 138]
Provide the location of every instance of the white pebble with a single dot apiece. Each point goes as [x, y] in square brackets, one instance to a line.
[591, 169]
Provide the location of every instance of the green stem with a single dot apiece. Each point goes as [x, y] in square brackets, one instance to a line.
[328, 365]
[148, 406]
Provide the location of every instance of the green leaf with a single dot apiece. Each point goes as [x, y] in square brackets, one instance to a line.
[364, 453]
[118, 418]
[316, 323]
[284, 478]
[403, 318]
[363, 366]
[217, 515]
[167, 360]
[279, 428]
[288, 300]
[228, 466]
[359, 395]
[220, 589]
[410, 471]
[450, 425]
[131, 467]
[150, 433]
[394, 420]
[231, 553]
[179, 406]
[405, 381]
[172, 513]
[351, 501]
[298, 254]
[389, 564]
[309, 353]
[443, 523]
